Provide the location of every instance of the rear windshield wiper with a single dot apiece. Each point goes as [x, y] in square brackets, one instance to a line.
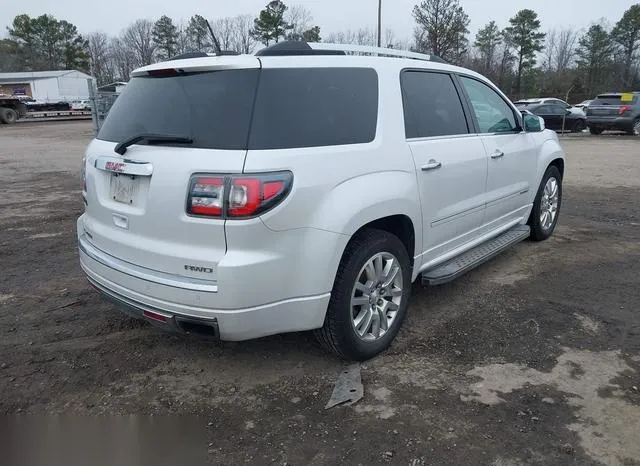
[150, 138]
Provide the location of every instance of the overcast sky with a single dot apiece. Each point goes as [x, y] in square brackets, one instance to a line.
[331, 15]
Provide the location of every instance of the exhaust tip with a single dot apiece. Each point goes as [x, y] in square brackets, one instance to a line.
[207, 329]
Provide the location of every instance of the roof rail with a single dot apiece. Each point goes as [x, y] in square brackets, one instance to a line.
[379, 51]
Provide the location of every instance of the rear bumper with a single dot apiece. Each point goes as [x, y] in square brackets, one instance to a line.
[290, 315]
[622, 124]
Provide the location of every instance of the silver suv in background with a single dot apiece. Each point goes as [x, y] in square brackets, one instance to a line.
[615, 111]
[302, 188]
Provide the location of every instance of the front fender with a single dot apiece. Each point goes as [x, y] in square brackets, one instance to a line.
[363, 199]
[549, 151]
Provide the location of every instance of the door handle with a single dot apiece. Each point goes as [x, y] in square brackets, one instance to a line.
[432, 165]
[497, 154]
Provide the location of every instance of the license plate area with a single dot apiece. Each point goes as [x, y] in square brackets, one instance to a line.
[124, 188]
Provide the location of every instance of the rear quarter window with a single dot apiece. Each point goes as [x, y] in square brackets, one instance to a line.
[313, 107]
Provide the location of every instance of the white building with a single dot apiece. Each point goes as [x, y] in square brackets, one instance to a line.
[47, 86]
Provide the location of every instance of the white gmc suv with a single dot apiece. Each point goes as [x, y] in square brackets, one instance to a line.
[305, 188]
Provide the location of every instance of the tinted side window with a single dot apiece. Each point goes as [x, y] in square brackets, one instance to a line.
[432, 106]
[542, 110]
[558, 109]
[493, 113]
[311, 107]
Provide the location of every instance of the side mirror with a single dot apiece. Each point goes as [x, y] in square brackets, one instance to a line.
[533, 123]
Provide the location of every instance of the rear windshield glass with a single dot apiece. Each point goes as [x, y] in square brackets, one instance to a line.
[612, 100]
[310, 107]
[213, 108]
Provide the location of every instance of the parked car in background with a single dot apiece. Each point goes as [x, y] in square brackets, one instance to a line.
[81, 105]
[615, 111]
[524, 103]
[583, 105]
[557, 117]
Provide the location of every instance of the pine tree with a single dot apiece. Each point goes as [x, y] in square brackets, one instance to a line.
[271, 24]
[526, 39]
[165, 37]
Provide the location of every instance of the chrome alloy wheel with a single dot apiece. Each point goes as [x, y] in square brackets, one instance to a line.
[376, 296]
[636, 128]
[549, 203]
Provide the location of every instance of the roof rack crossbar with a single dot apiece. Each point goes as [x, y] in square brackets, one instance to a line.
[366, 49]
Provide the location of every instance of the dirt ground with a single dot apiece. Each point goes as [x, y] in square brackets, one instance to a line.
[534, 358]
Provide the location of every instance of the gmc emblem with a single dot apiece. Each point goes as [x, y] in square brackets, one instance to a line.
[193, 268]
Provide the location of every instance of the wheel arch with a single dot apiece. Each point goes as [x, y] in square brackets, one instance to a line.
[399, 225]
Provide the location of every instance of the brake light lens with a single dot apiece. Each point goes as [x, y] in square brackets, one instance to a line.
[237, 196]
[164, 73]
[623, 109]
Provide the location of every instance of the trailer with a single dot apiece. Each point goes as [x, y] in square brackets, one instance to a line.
[11, 109]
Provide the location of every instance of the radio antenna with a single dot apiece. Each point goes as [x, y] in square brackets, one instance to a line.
[216, 44]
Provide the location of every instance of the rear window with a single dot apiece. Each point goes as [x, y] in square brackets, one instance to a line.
[311, 107]
[212, 108]
[612, 100]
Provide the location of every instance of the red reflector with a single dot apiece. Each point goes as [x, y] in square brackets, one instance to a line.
[163, 73]
[271, 188]
[624, 108]
[156, 317]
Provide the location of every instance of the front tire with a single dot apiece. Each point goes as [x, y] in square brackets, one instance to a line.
[546, 206]
[370, 296]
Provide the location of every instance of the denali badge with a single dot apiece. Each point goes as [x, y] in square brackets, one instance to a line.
[193, 268]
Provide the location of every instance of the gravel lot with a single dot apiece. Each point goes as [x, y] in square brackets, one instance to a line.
[533, 358]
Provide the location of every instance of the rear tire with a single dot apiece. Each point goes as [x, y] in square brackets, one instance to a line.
[635, 129]
[346, 329]
[595, 130]
[546, 207]
[8, 115]
[578, 126]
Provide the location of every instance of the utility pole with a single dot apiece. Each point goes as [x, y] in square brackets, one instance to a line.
[379, 23]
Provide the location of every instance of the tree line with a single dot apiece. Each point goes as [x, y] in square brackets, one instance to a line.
[519, 56]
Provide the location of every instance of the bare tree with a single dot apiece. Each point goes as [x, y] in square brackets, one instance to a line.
[550, 48]
[389, 39]
[122, 59]
[100, 56]
[225, 30]
[566, 49]
[244, 42]
[560, 49]
[183, 43]
[362, 36]
[138, 38]
[300, 18]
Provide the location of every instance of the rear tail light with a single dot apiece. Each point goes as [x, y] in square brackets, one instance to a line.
[206, 196]
[237, 196]
[623, 108]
